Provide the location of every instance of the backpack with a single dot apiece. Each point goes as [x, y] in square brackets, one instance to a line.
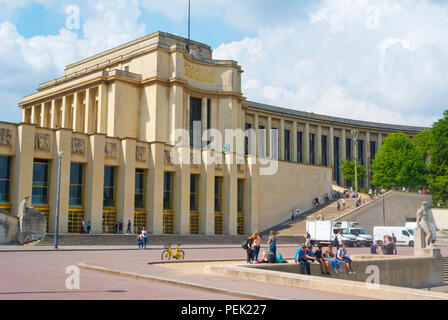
[245, 244]
[335, 241]
[279, 258]
[271, 257]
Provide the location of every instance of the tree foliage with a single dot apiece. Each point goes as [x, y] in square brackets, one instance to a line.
[398, 164]
[348, 170]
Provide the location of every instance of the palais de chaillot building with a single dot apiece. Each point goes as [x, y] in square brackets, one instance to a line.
[113, 116]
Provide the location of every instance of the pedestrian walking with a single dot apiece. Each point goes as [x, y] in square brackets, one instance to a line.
[128, 231]
[145, 237]
[272, 242]
[394, 241]
[89, 227]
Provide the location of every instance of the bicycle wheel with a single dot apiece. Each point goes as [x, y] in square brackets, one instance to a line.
[180, 255]
[166, 255]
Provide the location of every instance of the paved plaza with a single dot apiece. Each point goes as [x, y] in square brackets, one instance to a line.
[29, 275]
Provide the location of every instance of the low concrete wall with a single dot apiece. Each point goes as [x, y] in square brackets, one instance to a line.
[275, 274]
[293, 186]
[440, 218]
[410, 272]
[394, 209]
[9, 229]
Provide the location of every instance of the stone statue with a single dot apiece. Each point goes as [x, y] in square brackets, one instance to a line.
[24, 209]
[422, 223]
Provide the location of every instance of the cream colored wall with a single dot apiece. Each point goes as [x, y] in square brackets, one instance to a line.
[293, 186]
[398, 206]
[440, 217]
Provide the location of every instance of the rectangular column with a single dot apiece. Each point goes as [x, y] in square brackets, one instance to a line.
[294, 141]
[23, 165]
[306, 140]
[53, 114]
[156, 177]
[63, 141]
[269, 138]
[204, 123]
[95, 182]
[319, 146]
[126, 182]
[89, 115]
[230, 186]
[331, 163]
[257, 134]
[102, 109]
[65, 113]
[282, 140]
[182, 193]
[251, 195]
[207, 194]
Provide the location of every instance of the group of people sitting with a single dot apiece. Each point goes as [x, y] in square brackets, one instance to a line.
[305, 256]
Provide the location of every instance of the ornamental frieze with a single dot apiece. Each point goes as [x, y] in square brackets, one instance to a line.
[78, 146]
[140, 154]
[42, 142]
[5, 137]
[111, 150]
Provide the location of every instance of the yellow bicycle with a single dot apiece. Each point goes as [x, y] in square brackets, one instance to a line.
[167, 254]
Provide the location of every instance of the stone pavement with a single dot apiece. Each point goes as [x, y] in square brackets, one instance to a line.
[41, 275]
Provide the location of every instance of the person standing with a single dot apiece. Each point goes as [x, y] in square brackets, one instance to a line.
[128, 231]
[257, 245]
[249, 250]
[145, 237]
[120, 227]
[89, 227]
[394, 241]
[308, 239]
[272, 242]
[339, 238]
[82, 226]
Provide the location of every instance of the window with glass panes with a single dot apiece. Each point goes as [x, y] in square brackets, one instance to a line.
[194, 204]
[140, 189]
[287, 145]
[312, 141]
[299, 147]
[5, 180]
[168, 215]
[41, 178]
[76, 195]
[324, 151]
[240, 206]
[218, 205]
[110, 185]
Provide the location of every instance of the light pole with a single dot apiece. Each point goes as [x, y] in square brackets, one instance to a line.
[355, 134]
[58, 201]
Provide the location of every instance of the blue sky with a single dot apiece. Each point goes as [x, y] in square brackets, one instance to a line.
[378, 60]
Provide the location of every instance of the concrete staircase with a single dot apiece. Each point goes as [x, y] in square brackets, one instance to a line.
[445, 270]
[330, 212]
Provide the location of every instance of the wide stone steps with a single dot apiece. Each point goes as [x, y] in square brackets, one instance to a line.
[445, 270]
[130, 240]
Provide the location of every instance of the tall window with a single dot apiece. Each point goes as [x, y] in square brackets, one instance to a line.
[336, 159]
[247, 139]
[287, 145]
[240, 207]
[324, 151]
[168, 191]
[76, 197]
[140, 189]
[110, 184]
[196, 123]
[372, 156]
[312, 141]
[194, 193]
[41, 178]
[348, 149]
[361, 152]
[218, 206]
[299, 147]
[5, 180]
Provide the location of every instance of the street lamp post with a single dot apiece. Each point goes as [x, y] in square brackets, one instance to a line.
[58, 200]
[355, 134]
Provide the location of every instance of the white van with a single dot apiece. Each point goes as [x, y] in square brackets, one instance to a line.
[362, 237]
[404, 237]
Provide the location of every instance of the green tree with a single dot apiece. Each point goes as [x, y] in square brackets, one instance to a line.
[438, 165]
[348, 170]
[423, 143]
[398, 164]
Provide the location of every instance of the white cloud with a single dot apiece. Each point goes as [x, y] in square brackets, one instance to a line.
[379, 60]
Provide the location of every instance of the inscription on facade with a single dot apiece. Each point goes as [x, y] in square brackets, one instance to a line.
[200, 74]
[140, 154]
[111, 150]
[5, 137]
[78, 146]
[42, 142]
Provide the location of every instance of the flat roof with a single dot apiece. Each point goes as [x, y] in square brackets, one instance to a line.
[331, 119]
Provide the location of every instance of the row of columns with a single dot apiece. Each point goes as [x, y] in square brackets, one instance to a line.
[83, 111]
[318, 144]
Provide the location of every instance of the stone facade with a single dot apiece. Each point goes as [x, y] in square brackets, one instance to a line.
[121, 109]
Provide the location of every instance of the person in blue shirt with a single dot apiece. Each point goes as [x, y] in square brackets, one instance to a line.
[374, 248]
[301, 257]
